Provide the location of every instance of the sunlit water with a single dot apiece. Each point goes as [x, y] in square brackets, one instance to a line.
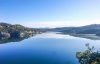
[47, 48]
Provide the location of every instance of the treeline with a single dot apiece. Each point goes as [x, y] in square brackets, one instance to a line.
[15, 31]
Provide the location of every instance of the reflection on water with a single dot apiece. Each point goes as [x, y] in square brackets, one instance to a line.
[47, 48]
[91, 37]
[87, 36]
[54, 35]
[3, 41]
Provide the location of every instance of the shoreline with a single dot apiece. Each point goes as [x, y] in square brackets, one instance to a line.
[88, 36]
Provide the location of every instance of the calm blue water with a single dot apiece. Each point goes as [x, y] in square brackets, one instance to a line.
[47, 48]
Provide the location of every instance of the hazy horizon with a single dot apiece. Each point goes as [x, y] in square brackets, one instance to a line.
[50, 13]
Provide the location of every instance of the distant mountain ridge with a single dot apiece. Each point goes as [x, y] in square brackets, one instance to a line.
[88, 29]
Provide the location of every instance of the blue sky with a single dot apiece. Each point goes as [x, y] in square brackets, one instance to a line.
[50, 13]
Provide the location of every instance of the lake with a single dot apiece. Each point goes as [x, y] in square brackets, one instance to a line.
[46, 48]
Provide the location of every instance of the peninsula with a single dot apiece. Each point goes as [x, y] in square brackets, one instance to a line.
[9, 31]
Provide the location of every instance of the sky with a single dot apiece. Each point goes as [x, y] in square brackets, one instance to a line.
[50, 13]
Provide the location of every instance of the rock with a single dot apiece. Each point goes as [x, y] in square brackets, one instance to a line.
[4, 35]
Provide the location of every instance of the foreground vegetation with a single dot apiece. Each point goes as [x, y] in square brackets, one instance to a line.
[89, 56]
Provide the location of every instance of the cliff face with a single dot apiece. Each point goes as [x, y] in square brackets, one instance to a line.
[15, 31]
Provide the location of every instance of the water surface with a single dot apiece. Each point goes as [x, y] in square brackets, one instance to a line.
[47, 48]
